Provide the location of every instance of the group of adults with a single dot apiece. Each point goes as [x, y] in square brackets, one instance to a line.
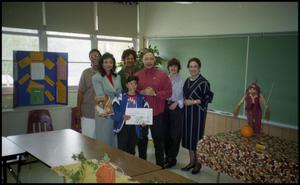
[179, 107]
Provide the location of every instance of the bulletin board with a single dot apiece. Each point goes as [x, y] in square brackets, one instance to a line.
[40, 78]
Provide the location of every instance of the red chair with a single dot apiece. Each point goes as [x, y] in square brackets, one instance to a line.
[39, 121]
[76, 122]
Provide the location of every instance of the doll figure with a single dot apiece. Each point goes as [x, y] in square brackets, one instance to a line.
[253, 99]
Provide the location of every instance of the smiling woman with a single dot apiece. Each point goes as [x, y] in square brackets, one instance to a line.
[106, 83]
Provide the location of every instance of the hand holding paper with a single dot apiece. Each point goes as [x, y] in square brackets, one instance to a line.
[126, 117]
[139, 116]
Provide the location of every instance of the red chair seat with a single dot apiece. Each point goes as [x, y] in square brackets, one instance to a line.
[76, 122]
[39, 121]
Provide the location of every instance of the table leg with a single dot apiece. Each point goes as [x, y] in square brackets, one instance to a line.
[11, 171]
[4, 172]
[19, 168]
[218, 177]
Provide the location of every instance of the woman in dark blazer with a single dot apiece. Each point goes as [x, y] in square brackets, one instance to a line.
[196, 94]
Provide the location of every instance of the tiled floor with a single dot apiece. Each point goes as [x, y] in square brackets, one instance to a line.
[37, 172]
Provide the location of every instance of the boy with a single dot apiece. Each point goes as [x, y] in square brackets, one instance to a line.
[127, 134]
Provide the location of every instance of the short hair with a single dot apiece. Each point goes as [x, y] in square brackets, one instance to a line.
[128, 52]
[195, 59]
[100, 67]
[148, 51]
[95, 50]
[132, 78]
[174, 62]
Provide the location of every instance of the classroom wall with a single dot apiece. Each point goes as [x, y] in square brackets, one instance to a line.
[169, 19]
[212, 18]
[14, 121]
[218, 123]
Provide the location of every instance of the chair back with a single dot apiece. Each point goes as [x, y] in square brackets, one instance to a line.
[39, 121]
[76, 121]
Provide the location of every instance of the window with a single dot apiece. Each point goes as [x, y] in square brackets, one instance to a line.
[114, 45]
[67, 34]
[77, 46]
[15, 39]
[19, 30]
[114, 38]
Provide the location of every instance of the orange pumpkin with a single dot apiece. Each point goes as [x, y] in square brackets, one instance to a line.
[106, 173]
[247, 131]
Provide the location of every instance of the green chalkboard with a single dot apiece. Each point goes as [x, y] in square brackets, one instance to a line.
[273, 61]
[231, 62]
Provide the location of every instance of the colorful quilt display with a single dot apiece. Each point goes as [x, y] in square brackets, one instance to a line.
[40, 78]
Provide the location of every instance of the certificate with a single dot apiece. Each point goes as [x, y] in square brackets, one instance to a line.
[139, 116]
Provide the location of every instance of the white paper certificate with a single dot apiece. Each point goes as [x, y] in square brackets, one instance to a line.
[139, 116]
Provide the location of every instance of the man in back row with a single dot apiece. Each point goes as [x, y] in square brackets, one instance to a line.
[86, 95]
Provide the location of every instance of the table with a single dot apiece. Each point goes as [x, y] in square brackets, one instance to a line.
[238, 157]
[55, 148]
[10, 151]
[162, 176]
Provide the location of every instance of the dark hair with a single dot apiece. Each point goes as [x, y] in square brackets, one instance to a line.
[128, 52]
[95, 50]
[101, 69]
[132, 78]
[174, 62]
[195, 59]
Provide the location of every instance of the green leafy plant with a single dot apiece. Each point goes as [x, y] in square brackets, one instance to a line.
[79, 175]
[80, 157]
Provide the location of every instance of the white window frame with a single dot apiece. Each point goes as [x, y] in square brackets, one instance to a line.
[71, 88]
[10, 90]
[43, 46]
[115, 39]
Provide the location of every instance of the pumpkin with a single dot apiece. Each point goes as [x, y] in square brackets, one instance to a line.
[106, 174]
[246, 131]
